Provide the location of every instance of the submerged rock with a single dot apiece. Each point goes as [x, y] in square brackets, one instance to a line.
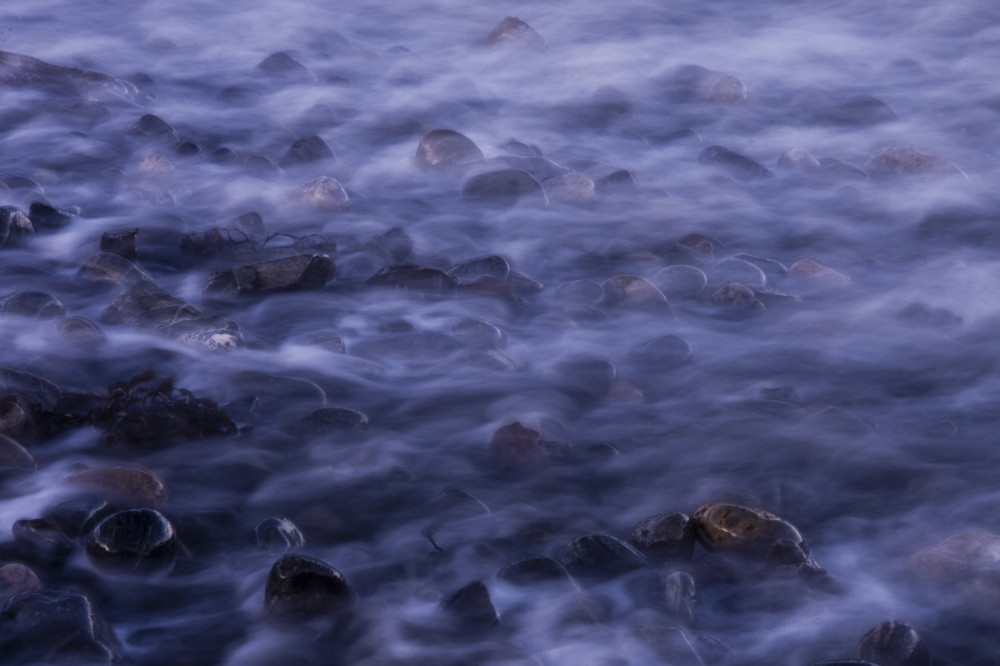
[22, 70]
[302, 587]
[32, 304]
[134, 540]
[504, 188]
[325, 193]
[444, 149]
[534, 571]
[894, 644]
[693, 83]
[903, 161]
[516, 446]
[15, 226]
[16, 578]
[736, 165]
[512, 31]
[154, 127]
[305, 271]
[280, 66]
[730, 527]
[664, 537]
[632, 291]
[13, 455]
[125, 486]
[600, 556]
[308, 149]
[277, 534]
[472, 607]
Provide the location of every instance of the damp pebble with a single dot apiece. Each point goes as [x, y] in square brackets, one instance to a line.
[812, 272]
[903, 161]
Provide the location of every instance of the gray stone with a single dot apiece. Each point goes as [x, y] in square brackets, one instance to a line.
[693, 83]
[308, 149]
[472, 607]
[280, 66]
[15, 226]
[32, 304]
[127, 487]
[632, 291]
[16, 578]
[680, 281]
[154, 127]
[14, 456]
[277, 534]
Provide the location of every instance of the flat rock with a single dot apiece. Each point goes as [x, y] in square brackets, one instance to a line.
[305, 271]
[23, 70]
[741, 529]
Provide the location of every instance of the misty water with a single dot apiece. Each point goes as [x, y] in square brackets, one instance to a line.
[827, 352]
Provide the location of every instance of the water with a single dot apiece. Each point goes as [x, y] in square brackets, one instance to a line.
[863, 411]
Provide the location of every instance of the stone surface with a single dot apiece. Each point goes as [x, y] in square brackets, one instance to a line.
[121, 243]
[736, 296]
[108, 268]
[516, 446]
[681, 595]
[632, 291]
[504, 188]
[472, 607]
[308, 149]
[32, 304]
[134, 540]
[572, 188]
[734, 164]
[730, 527]
[680, 281]
[812, 272]
[894, 644]
[281, 66]
[534, 571]
[55, 626]
[600, 556]
[664, 537]
[907, 162]
[304, 271]
[797, 160]
[128, 487]
[409, 277]
[325, 193]
[300, 586]
[664, 352]
[16, 578]
[512, 31]
[693, 83]
[22, 70]
[444, 149]
[153, 127]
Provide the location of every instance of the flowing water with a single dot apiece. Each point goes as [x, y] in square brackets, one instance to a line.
[858, 401]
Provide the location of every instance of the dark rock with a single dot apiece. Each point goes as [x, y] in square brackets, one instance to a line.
[308, 149]
[410, 277]
[187, 149]
[730, 527]
[134, 540]
[111, 269]
[472, 607]
[22, 70]
[327, 340]
[680, 281]
[512, 31]
[444, 149]
[19, 182]
[534, 571]
[479, 333]
[154, 127]
[681, 595]
[223, 155]
[283, 67]
[693, 83]
[836, 171]
[325, 193]
[81, 331]
[121, 243]
[669, 643]
[586, 377]
[617, 182]
[242, 96]
[43, 540]
[664, 537]
[632, 291]
[487, 266]
[580, 291]
[894, 644]
[504, 188]
[539, 167]
[305, 271]
[738, 166]
[44, 216]
[736, 296]
[663, 353]
[32, 304]
[14, 456]
[515, 446]
[127, 487]
[858, 111]
[600, 556]
[277, 534]
[522, 285]
[302, 586]
[78, 517]
[15, 226]
[55, 626]
[16, 578]
[906, 162]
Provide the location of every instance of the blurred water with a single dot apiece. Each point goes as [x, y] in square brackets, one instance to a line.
[863, 410]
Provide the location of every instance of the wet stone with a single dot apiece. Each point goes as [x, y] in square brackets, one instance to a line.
[811, 272]
[736, 296]
[32, 304]
[586, 377]
[479, 333]
[43, 539]
[617, 182]
[600, 556]
[735, 528]
[14, 456]
[410, 277]
[121, 243]
[280, 66]
[15, 226]
[301, 586]
[128, 487]
[78, 517]
[504, 188]
[903, 161]
[187, 149]
[308, 149]
[16, 578]
[580, 291]
[669, 643]
[680, 281]
[894, 644]
[839, 172]
[325, 193]
[858, 111]
[305, 271]
[327, 420]
[664, 537]
[572, 188]
[632, 291]
[44, 216]
[328, 340]
[110, 268]
[154, 127]
[395, 244]
[445, 149]
[277, 534]
[961, 559]
[512, 31]
[515, 446]
[55, 626]
[81, 332]
[487, 266]
[134, 540]
[540, 168]
[472, 607]
[534, 571]
[737, 270]
[693, 83]
[736, 165]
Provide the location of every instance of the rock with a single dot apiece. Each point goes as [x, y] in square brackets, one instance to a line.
[156, 163]
[479, 333]
[395, 245]
[154, 127]
[81, 332]
[680, 281]
[512, 31]
[444, 149]
[586, 377]
[836, 171]
[540, 168]
[308, 149]
[121, 243]
[515, 446]
[572, 188]
[798, 161]
[600, 556]
[78, 517]
[894, 644]
[736, 270]
[664, 352]
[302, 587]
[128, 487]
[44, 216]
[111, 269]
[32, 304]
[632, 291]
[504, 188]
[16, 578]
[333, 420]
[15, 226]
[44, 540]
[472, 607]
[277, 534]
[740, 529]
[534, 571]
[671, 644]
[692, 83]
[328, 340]
[134, 540]
[580, 292]
[305, 271]
[681, 595]
[55, 626]
[187, 149]
[410, 277]
[906, 162]
[811, 272]
[967, 562]
[664, 537]
[487, 266]
[736, 296]
[738, 166]
[857, 111]
[22, 70]
[280, 66]
[325, 193]
[14, 456]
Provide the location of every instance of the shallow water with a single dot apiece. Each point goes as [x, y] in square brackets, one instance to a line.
[859, 405]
